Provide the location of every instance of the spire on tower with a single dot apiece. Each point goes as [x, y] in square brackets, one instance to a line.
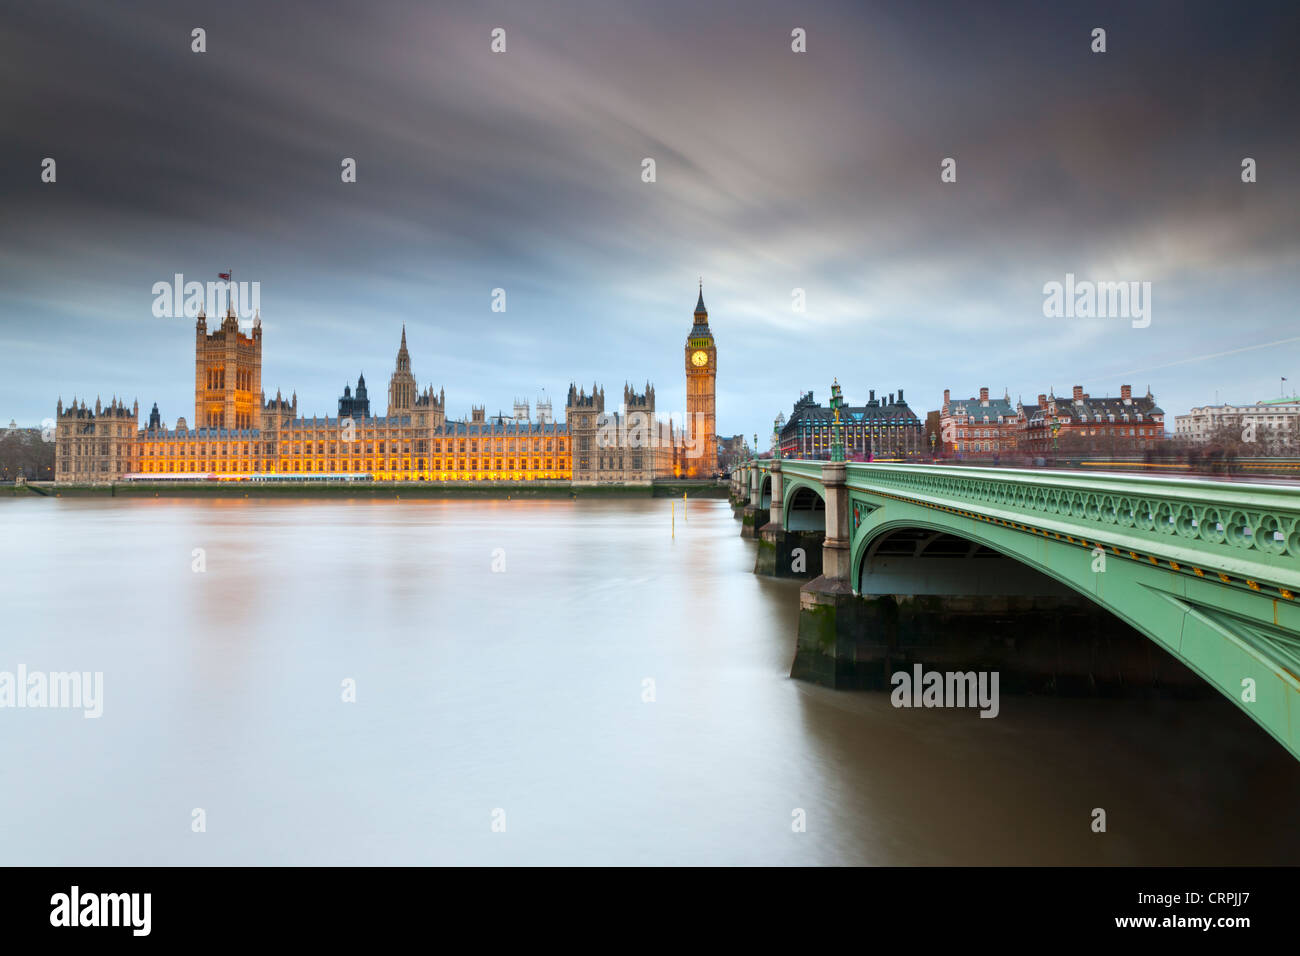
[699, 304]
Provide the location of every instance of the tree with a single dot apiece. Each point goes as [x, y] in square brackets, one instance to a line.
[24, 453]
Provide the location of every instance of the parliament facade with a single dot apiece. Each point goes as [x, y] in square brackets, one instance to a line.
[239, 434]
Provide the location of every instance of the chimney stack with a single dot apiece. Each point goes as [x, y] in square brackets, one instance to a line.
[1042, 399]
[1126, 392]
[984, 395]
[1078, 393]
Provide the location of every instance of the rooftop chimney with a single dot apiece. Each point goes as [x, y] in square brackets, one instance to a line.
[984, 396]
[1078, 393]
[1126, 392]
[1042, 399]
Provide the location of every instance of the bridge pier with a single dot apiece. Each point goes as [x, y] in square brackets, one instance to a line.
[755, 515]
[782, 553]
[830, 614]
[739, 492]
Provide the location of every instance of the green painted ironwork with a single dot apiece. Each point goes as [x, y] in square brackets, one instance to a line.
[1208, 570]
[837, 432]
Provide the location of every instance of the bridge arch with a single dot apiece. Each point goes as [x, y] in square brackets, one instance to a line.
[765, 490]
[804, 506]
[1208, 571]
[909, 558]
[1222, 646]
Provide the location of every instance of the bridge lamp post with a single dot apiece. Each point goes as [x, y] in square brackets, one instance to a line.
[932, 440]
[1056, 430]
[837, 435]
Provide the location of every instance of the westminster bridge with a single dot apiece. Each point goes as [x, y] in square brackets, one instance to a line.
[1008, 568]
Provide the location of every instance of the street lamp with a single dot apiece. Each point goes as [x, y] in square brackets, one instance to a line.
[1056, 428]
[932, 441]
[837, 437]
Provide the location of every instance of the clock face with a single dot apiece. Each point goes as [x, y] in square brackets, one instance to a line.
[700, 359]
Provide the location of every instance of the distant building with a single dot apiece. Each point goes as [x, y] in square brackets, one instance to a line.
[95, 444]
[628, 446]
[983, 426]
[701, 425]
[1097, 425]
[882, 428]
[730, 451]
[934, 432]
[986, 427]
[352, 406]
[238, 433]
[1277, 419]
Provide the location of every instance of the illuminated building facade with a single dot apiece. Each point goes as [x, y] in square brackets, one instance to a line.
[879, 429]
[701, 396]
[238, 433]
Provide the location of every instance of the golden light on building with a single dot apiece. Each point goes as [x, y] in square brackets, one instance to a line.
[239, 434]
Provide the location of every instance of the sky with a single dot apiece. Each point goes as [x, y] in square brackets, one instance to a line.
[775, 171]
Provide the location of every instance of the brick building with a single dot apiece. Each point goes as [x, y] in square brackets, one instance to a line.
[978, 427]
[1112, 425]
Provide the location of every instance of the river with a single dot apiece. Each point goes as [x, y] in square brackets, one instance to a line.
[539, 682]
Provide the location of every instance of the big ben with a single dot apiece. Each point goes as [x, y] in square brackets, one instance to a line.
[701, 389]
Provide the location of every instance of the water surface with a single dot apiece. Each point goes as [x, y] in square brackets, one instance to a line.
[522, 690]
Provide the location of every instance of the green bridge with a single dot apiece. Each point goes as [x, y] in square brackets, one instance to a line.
[1207, 570]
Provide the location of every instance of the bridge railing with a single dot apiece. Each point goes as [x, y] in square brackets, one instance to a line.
[1248, 530]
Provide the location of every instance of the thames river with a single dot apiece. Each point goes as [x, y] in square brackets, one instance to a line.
[538, 682]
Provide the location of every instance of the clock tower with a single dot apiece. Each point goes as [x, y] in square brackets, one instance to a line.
[701, 458]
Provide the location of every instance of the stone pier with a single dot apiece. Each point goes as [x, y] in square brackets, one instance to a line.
[755, 515]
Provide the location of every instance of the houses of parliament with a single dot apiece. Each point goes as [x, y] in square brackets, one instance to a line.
[237, 433]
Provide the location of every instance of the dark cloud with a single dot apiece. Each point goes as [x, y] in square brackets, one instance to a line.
[775, 171]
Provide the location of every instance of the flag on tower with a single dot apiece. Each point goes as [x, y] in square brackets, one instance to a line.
[224, 275]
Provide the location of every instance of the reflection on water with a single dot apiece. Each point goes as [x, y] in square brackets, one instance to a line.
[523, 690]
